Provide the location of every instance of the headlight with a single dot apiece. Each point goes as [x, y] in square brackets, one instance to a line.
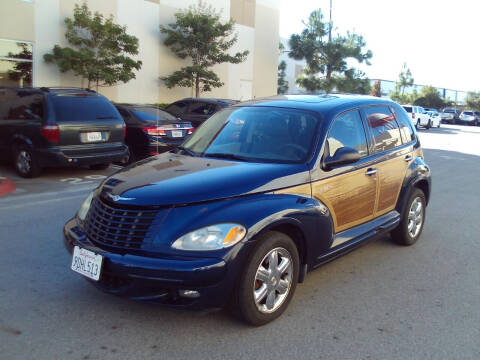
[83, 211]
[212, 237]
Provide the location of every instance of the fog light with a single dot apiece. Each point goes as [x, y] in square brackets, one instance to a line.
[189, 293]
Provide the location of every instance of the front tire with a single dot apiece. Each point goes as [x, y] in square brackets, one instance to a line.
[267, 285]
[413, 219]
[25, 162]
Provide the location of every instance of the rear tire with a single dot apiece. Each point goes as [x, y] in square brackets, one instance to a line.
[25, 162]
[99, 166]
[429, 124]
[269, 280]
[413, 219]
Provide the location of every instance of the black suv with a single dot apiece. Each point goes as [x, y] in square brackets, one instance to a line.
[41, 127]
[196, 110]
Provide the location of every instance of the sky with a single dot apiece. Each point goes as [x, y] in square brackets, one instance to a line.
[438, 39]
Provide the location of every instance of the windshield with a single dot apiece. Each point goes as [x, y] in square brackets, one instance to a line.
[147, 113]
[81, 107]
[256, 134]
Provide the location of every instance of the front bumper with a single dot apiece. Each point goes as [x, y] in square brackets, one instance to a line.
[159, 278]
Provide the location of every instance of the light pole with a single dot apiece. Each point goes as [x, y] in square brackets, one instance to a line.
[330, 24]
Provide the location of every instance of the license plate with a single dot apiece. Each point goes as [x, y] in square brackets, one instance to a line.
[87, 263]
[94, 136]
[177, 133]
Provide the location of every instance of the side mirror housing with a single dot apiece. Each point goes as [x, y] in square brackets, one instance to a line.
[343, 156]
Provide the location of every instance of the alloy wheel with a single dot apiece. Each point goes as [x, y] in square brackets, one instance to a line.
[415, 217]
[24, 161]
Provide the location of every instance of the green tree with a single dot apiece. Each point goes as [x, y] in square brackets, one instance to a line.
[377, 89]
[282, 84]
[405, 79]
[473, 100]
[430, 98]
[199, 34]
[328, 57]
[100, 51]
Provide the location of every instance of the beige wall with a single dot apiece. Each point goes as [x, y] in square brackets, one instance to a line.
[44, 26]
[17, 20]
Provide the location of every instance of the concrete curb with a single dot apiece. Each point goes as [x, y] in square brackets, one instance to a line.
[6, 186]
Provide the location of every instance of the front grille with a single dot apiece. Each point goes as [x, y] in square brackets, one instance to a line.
[114, 226]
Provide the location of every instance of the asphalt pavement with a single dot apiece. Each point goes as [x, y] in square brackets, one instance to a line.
[381, 301]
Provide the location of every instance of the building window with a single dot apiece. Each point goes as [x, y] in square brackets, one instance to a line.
[16, 63]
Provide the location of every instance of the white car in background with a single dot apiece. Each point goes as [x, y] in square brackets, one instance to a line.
[435, 117]
[469, 117]
[419, 116]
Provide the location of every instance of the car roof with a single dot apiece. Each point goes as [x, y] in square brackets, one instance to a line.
[211, 100]
[318, 103]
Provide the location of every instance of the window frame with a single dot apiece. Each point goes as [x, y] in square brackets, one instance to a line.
[6, 58]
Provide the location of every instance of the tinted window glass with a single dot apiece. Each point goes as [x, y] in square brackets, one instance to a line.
[384, 128]
[347, 131]
[202, 108]
[152, 113]
[24, 104]
[177, 108]
[468, 113]
[257, 135]
[405, 124]
[408, 109]
[83, 107]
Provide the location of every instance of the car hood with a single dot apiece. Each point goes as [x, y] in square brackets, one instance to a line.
[172, 179]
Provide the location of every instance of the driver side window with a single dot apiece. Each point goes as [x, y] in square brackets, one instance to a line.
[347, 131]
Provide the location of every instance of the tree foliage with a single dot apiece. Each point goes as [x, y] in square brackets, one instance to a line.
[282, 84]
[430, 98]
[473, 100]
[405, 80]
[328, 58]
[198, 34]
[377, 89]
[100, 49]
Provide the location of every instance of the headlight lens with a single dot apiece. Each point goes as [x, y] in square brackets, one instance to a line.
[83, 211]
[212, 237]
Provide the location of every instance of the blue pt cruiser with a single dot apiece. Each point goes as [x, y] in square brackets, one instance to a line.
[262, 193]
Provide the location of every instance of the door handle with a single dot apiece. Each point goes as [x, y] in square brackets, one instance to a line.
[408, 158]
[371, 171]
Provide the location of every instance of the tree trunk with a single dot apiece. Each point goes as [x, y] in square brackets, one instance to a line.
[197, 86]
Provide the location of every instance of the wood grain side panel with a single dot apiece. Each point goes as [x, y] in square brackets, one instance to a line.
[390, 174]
[350, 197]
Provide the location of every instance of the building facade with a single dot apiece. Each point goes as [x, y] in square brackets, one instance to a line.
[30, 28]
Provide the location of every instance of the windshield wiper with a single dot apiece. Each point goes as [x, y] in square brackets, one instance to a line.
[188, 151]
[227, 156]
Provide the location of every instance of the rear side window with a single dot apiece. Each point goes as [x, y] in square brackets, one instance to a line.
[408, 109]
[468, 113]
[347, 131]
[405, 124]
[79, 108]
[384, 128]
[177, 108]
[21, 105]
[202, 108]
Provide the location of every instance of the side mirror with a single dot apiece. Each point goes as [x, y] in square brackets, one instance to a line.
[343, 156]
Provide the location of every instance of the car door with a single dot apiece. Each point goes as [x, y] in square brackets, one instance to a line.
[392, 154]
[349, 191]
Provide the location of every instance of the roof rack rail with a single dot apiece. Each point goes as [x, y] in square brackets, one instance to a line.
[48, 88]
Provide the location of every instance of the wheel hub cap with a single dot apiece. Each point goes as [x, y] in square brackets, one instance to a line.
[273, 280]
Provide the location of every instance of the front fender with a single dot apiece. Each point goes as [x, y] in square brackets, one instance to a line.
[258, 213]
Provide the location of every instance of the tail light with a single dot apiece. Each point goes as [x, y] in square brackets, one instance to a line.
[124, 128]
[190, 131]
[51, 133]
[413, 115]
[155, 131]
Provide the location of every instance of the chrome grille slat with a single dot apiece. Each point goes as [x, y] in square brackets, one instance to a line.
[118, 227]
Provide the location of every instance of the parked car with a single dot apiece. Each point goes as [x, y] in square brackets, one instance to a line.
[419, 116]
[262, 193]
[41, 127]
[196, 111]
[434, 117]
[469, 117]
[450, 115]
[151, 130]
